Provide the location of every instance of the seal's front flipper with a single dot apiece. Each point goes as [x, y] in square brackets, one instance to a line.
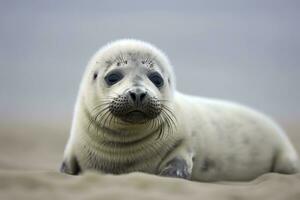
[70, 166]
[176, 168]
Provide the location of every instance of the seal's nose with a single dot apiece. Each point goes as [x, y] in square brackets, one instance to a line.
[137, 95]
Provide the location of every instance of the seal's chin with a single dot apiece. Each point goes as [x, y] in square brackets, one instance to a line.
[135, 117]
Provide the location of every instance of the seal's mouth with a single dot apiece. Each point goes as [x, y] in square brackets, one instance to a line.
[135, 116]
[135, 113]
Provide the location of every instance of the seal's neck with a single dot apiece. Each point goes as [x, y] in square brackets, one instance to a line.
[125, 135]
[126, 149]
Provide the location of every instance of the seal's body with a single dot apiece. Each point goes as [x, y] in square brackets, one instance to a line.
[129, 117]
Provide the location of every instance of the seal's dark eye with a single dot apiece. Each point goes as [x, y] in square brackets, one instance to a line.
[113, 78]
[156, 79]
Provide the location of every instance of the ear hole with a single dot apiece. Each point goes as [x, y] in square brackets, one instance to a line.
[95, 76]
[169, 81]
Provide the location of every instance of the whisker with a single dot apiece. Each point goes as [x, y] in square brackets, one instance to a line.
[171, 115]
[111, 117]
[97, 109]
[104, 118]
[106, 109]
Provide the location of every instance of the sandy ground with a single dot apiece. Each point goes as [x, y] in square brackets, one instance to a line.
[30, 155]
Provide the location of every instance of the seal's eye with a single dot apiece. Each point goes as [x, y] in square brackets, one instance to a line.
[113, 78]
[156, 79]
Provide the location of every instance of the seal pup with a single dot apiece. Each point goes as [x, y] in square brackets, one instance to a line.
[129, 117]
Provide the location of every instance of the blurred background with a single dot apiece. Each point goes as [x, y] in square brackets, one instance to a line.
[243, 51]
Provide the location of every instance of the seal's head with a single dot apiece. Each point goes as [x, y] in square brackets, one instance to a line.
[129, 82]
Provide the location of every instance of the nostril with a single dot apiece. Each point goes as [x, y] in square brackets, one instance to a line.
[133, 96]
[142, 96]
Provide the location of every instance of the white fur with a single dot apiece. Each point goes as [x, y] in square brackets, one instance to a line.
[240, 143]
[222, 140]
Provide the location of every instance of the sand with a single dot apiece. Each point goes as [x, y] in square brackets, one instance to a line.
[30, 155]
